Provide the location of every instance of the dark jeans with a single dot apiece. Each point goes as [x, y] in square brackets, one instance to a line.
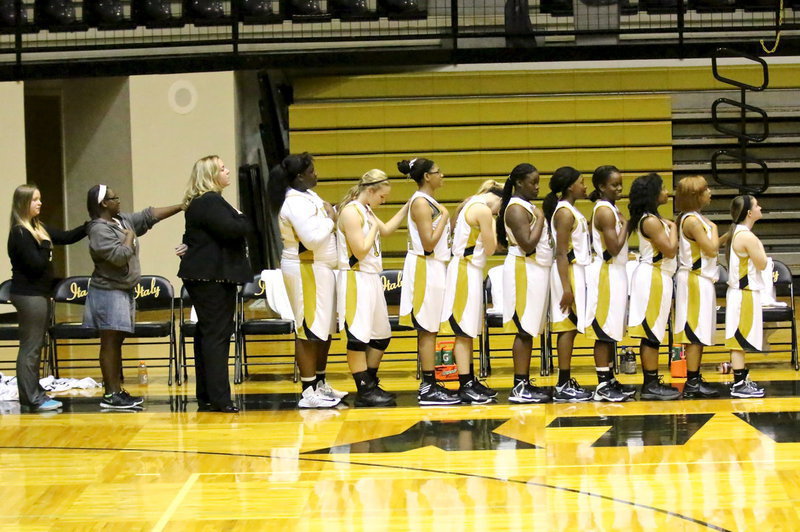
[33, 315]
[215, 304]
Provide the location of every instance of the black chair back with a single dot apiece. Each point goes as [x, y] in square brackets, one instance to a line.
[5, 292]
[254, 289]
[721, 286]
[186, 299]
[72, 290]
[782, 279]
[392, 281]
[153, 292]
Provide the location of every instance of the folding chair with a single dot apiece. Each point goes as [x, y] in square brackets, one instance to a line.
[70, 297]
[494, 320]
[155, 293]
[9, 331]
[782, 280]
[259, 326]
[187, 328]
[392, 281]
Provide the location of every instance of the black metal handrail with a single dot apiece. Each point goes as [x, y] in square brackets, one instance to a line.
[744, 138]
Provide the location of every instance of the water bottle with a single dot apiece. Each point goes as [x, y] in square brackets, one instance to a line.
[142, 372]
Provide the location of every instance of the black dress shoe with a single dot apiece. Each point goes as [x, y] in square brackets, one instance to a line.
[227, 409]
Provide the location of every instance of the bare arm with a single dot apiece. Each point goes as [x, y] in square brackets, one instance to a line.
[563, 221]
[421, 213]
[165, 212]
[481, 215]
[519, 221]
[350, 222]
[391, 226]
[695, 230]
[749, 243]
[606, 223]
[667, 245]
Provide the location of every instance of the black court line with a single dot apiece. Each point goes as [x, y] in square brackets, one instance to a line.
[385, 466]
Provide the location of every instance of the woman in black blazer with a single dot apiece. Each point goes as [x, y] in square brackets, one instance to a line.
[216, 260]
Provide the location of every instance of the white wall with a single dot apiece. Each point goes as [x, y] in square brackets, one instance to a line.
[12, 153]
[97, 149]
[175, 120]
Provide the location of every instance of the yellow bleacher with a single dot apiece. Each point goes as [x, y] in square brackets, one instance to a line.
[479, 125]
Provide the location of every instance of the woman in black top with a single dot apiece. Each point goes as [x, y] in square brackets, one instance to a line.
[30, 248]
[216, 260]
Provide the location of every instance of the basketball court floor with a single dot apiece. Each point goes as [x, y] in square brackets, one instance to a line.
[721, 464]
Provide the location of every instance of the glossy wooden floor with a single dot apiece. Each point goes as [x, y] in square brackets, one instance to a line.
[706, 464]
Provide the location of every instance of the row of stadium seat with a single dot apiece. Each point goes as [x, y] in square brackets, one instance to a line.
[564, 8]
[64, 15]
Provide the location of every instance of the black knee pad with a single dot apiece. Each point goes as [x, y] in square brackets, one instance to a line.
[650, 343]
[380, 345]
[356, 345]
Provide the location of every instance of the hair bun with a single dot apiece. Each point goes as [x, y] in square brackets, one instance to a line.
[404, 166]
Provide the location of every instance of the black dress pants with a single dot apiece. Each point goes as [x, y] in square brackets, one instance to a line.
[215, 304]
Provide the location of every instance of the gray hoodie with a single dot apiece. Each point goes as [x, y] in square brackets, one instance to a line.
[116, 266]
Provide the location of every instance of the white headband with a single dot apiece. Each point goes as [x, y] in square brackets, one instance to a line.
[101, 194]
[411, 164]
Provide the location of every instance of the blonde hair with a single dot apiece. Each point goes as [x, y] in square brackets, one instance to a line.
[488, 186]
[688, 191]
[204, 178]
[373, 179]
[21, 212]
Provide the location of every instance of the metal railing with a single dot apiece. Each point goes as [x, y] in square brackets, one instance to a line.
[740, 155]
[31, 32]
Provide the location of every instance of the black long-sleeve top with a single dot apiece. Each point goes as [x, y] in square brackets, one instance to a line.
[215, 235]
[31, 261]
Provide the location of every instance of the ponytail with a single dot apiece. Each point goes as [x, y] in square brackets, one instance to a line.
[282, 175]
[739, 207]
[644, 194]
[416, 169]
[560, 181]
[518, 173]
[500, 226]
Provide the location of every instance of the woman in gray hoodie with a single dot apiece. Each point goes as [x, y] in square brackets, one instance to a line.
[110, 306]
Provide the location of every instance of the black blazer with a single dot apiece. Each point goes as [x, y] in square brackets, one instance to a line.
[31, 261]
[215, 235]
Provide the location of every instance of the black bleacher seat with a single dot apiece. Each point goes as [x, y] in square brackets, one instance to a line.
[712, 6]
[258, 12]
[205, 13]
[660, 7]
[305, 11]
[155, 14]
[759, 5]
[57, 16]
[106, 15]
[401, 9]
[556, 8]
[346, 10]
